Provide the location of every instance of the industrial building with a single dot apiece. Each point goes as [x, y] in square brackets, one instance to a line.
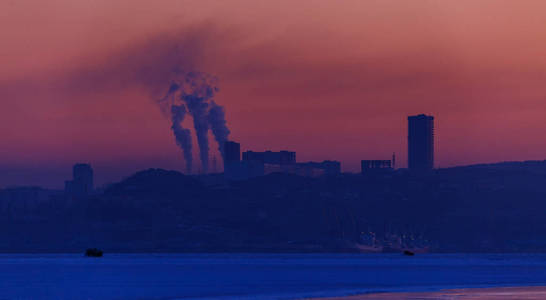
[232, 152]
[373, 166]
[256, 164]
[271, 157]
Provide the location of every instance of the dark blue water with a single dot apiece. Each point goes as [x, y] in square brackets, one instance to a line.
[255, 276]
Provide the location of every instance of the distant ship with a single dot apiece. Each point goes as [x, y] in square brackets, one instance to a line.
[93, 252]
[391, 243]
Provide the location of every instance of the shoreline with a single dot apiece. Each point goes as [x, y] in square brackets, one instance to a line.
[493, 293]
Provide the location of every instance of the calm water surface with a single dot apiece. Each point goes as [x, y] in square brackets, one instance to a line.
[255, 276]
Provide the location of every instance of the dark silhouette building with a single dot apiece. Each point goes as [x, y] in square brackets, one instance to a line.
[420, 142]
[232, 152]
[81, 184]
[236, 169]
[371, 166]
[254, 164]
[270, 157]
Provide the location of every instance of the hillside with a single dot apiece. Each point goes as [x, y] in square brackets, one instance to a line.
[482, 208]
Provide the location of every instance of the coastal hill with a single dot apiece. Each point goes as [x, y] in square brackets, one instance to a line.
[480, 208]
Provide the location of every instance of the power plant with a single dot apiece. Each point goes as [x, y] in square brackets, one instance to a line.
[192, 93]
[254, 163]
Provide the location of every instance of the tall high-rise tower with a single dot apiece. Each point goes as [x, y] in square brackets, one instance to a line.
[421, 142]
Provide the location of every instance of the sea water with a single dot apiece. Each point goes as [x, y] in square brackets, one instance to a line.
[256, 276]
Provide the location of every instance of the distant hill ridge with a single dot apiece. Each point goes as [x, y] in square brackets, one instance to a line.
[479, 208]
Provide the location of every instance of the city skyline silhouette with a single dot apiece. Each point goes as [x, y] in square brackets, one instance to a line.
[272, 149]
[335, 90]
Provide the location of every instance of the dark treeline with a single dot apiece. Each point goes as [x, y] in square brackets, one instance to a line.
[483, 208]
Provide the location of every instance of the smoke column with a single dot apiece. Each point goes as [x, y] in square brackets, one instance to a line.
[197, 92]
[198, 110]
[177, 114]
[217, 120]
[182, 135]
[192, 93]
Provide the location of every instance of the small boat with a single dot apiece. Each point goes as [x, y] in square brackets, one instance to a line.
[93, 252]
[408, 253]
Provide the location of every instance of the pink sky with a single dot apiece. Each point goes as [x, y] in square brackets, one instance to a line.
[328, 79]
